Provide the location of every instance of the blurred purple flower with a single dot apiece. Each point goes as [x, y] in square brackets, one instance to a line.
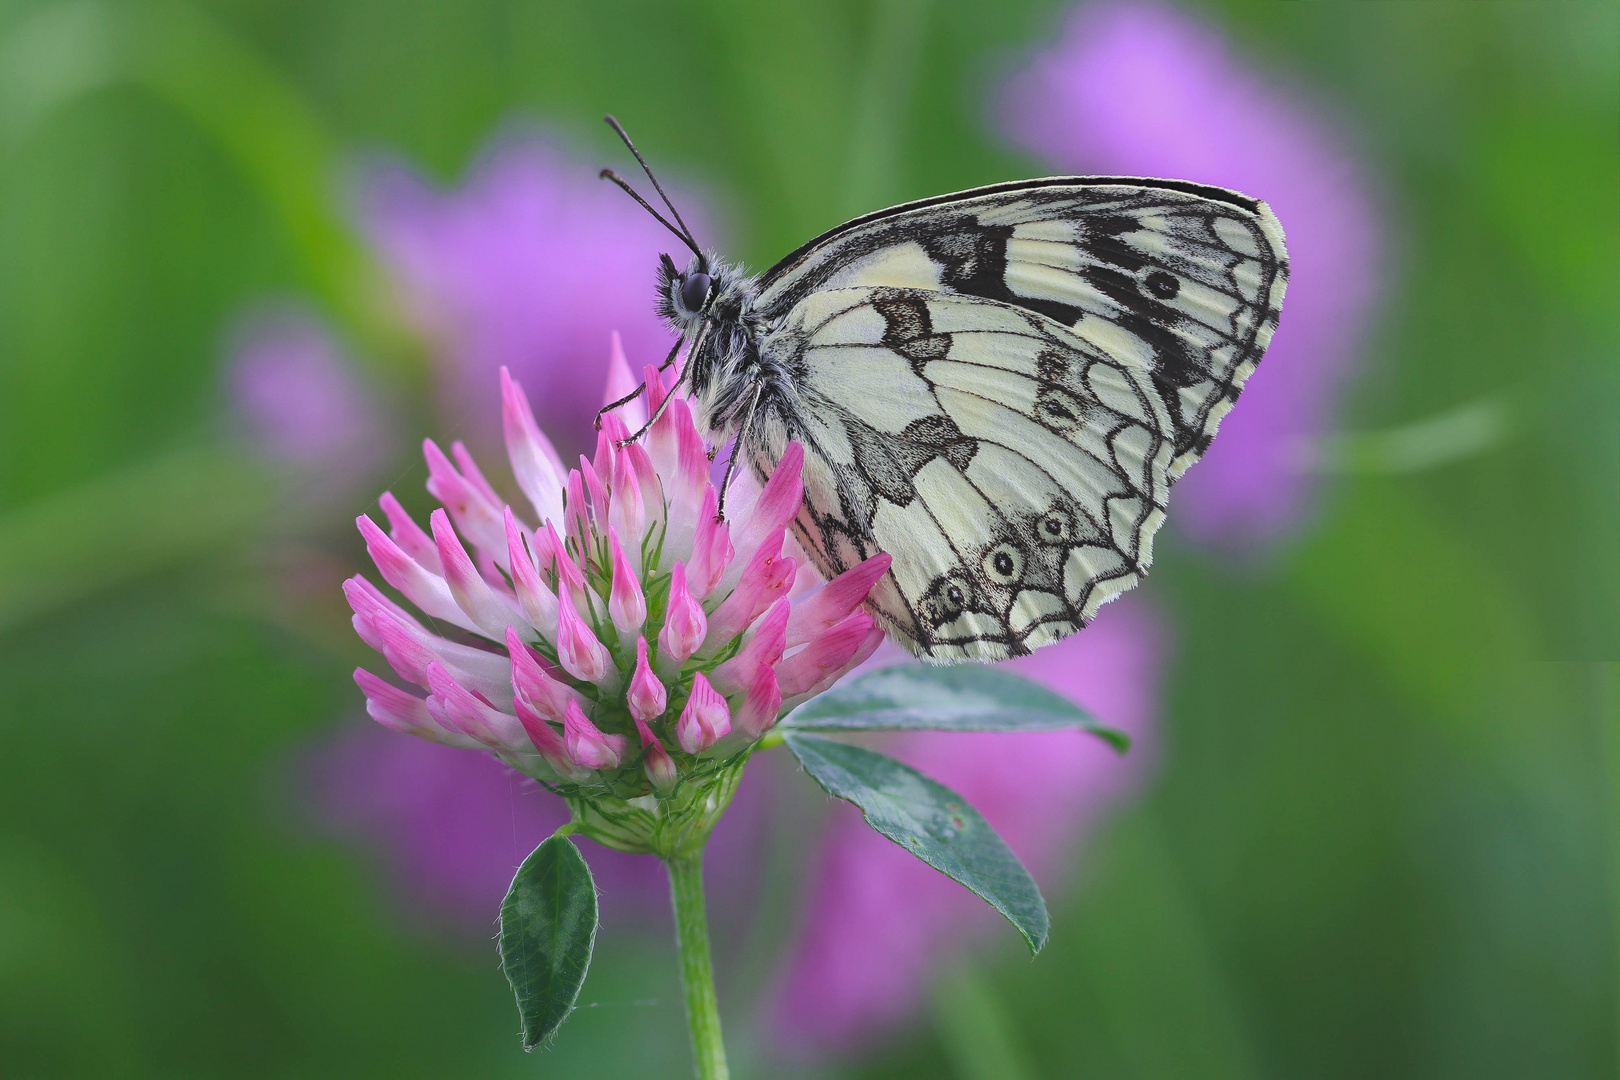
[879, 922]
[1145, 89]
[298, 398]
[528, 264]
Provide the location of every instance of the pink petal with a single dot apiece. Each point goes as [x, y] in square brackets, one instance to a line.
[597, 491]
[491, 612]
[628, 514]
[762, 704]
[552, 557]
[427, 591]
[475, 476]
[551, 746]
[576, 514]
[828, 605]
[627, 606]
[621, 382]
[410, 648]
[830, 651]
[461, 709]
[532, 684]
[409, 535]
[405, 712]
[777, 505]
[535, 465]
[765, 579]
[863, 652]
[537, 602]
[711, 546]
[476, 515]
[763, 648]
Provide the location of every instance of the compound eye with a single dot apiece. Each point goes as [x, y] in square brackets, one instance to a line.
[695, 291]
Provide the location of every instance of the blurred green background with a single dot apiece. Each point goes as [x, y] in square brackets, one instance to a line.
[1384, 837]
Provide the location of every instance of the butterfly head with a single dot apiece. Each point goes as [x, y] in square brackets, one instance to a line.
[706, 289]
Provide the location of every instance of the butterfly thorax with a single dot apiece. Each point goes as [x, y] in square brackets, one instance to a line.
[725, 374]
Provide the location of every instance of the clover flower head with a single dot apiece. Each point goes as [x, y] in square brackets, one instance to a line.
[611, 637]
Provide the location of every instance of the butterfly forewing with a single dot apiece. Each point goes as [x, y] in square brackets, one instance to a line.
[1189, 278]
[998, 388]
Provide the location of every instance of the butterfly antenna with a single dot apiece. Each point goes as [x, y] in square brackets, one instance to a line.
[609, 174]
[691, 242]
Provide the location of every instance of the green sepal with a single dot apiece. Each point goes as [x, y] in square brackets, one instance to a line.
[932, 822]
[548, 929]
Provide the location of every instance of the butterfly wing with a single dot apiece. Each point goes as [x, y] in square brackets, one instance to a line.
[1187, 278]
[1014, 471]
[999, 387]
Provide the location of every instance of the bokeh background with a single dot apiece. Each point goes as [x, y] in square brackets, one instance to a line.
[250, 251]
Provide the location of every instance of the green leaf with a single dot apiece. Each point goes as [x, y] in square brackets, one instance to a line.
[548, 928]
[967, 697]
[932, 822]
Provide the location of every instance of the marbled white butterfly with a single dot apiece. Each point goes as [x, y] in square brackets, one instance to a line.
[998, 387]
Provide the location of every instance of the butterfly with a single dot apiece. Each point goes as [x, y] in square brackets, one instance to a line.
[998, 387]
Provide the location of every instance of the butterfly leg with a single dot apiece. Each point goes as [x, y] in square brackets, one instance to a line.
[638, 391]
[736, 447]
[610, 406]
[669, 397]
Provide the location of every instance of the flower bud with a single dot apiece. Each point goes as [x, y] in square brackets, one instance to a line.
[705, 720]
[578, 650]
[551, 556]
[647, 698]
[587, 746]
[399, 709]
[532, 682]
[598, 493]
[685, 625]
[649, 488]
[621, 383]
[778, 502]
[427, 591]
[626, 605]
[768, 576]
[459, 709]
[551, 746]
[660, 766]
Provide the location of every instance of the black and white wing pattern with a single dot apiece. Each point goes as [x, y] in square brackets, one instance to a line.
[999, 387]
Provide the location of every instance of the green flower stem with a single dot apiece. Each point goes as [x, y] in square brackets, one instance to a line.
[697, 972]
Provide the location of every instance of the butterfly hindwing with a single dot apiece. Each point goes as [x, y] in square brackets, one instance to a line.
[1015, 471]
[1188, 280]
